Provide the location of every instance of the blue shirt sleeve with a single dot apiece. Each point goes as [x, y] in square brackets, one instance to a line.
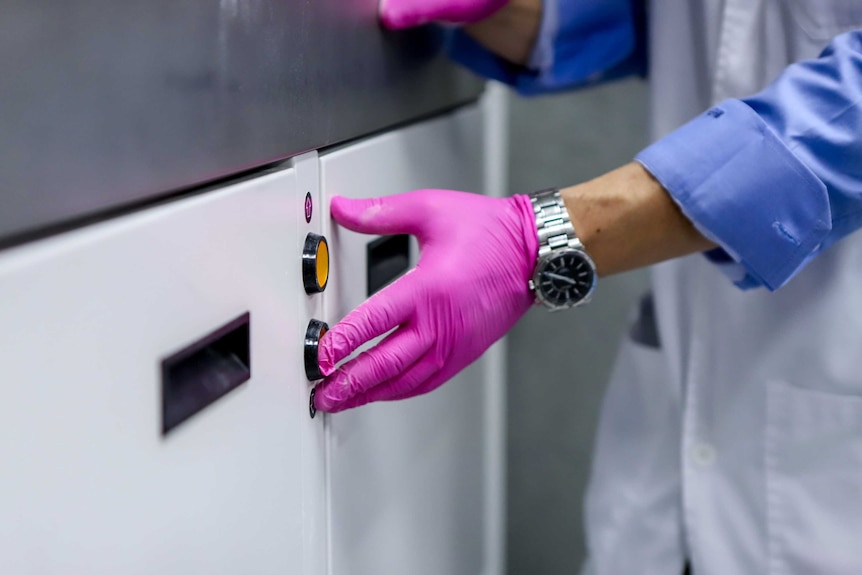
[776, 178]
[580, 42]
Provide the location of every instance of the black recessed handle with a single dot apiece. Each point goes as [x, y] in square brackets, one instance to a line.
[388, 257]
[205, 371]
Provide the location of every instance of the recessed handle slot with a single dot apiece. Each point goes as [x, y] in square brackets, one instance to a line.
[205, 371]
[388, 258]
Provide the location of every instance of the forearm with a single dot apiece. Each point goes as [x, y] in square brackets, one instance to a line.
[626, 220]
[511, 31]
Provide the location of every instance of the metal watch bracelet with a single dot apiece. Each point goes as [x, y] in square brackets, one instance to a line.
[552, 222]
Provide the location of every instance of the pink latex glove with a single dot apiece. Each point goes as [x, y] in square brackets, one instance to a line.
[397, 14]
[467, 290]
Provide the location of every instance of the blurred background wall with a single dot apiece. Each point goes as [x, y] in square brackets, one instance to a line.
[559, 363]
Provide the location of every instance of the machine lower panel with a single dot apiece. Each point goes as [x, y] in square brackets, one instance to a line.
[155, 402]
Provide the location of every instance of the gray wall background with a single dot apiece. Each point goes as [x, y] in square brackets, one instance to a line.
[559, 363]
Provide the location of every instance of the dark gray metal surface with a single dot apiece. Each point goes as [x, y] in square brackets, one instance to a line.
[106, 104]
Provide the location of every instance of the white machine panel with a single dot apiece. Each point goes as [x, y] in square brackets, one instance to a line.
[406, 479]
[105, 332]
[90, 484]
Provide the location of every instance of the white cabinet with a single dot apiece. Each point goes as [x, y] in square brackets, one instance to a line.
[89, 483]
[407, 479]
[250, 483]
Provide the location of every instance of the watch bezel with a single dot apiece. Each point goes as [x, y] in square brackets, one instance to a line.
[543, 261]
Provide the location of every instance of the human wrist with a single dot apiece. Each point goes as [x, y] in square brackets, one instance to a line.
[526, 218]
[510, 32]
[627, 220]
[564, 275]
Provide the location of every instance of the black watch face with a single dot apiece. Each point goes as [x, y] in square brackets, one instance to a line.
[566, 278]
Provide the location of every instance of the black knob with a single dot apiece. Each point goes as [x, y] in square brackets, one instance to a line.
[312, 411]
[315, 264]
[315, 331]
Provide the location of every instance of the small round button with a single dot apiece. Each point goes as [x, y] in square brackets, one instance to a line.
[315, 264]
[703, 454]
[312, 411]
[315, 331]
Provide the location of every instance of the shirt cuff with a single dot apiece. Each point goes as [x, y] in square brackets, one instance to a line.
[542, 57]
[744, 189]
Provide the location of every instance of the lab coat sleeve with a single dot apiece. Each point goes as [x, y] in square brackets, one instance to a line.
[580, 43]
[776, 178]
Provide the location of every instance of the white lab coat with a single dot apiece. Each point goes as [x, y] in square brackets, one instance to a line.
[738, 444]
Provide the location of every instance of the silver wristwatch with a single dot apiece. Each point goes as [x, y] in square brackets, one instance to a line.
[565, 275]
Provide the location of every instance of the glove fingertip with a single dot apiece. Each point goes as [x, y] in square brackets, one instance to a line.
[338, 206]
[394, 19]
[399, 21]
[334, 346]
[354, 214]
[329, 396]
[321, 402]
[325, 359]
[335, 406]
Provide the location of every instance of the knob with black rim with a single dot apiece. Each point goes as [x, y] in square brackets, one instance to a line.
[315, 263]
[316, 330]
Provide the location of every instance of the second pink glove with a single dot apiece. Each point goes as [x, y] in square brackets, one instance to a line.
[468, 289]
[398, 14]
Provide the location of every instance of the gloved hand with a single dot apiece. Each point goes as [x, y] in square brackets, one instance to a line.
[397, 14]
[468, 289]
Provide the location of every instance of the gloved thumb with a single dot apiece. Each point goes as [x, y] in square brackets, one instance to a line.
[388, 215]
